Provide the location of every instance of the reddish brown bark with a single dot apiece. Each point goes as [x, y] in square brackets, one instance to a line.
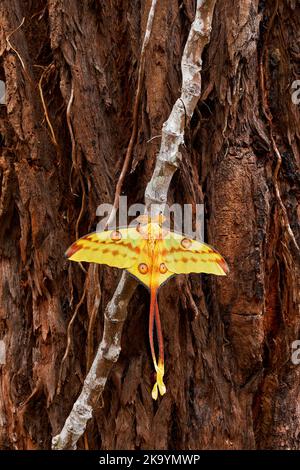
[230, 379]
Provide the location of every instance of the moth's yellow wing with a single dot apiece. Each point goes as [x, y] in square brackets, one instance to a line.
[125, 248]
[129, 248]
[119, 248]
[183, 255]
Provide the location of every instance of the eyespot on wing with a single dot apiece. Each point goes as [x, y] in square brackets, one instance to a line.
[143, 268]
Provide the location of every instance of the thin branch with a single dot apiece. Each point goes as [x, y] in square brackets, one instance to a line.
[47, 70]
[68, 116]
[156, 192]
[75, 166]
[277, 192]
[154, 137]
[169, 156]
[135, 115]
[11, 47]
[69, 340]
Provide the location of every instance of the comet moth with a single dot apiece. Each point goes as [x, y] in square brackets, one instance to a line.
[152, 254]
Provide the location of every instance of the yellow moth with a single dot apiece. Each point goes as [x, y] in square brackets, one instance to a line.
[152, 254]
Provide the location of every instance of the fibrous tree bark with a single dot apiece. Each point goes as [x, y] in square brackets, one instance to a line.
[70, 72]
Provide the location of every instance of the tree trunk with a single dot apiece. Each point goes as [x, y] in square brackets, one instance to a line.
[70, 73]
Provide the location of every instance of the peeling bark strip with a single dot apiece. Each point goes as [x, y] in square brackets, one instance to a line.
[156, 193]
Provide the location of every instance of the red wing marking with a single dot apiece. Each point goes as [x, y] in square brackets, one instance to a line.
[223, 265]
[72, 250]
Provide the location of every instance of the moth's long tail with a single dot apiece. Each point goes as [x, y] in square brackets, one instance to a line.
[151, 325]
[159, 385]
[159, 333]
[161, 366]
